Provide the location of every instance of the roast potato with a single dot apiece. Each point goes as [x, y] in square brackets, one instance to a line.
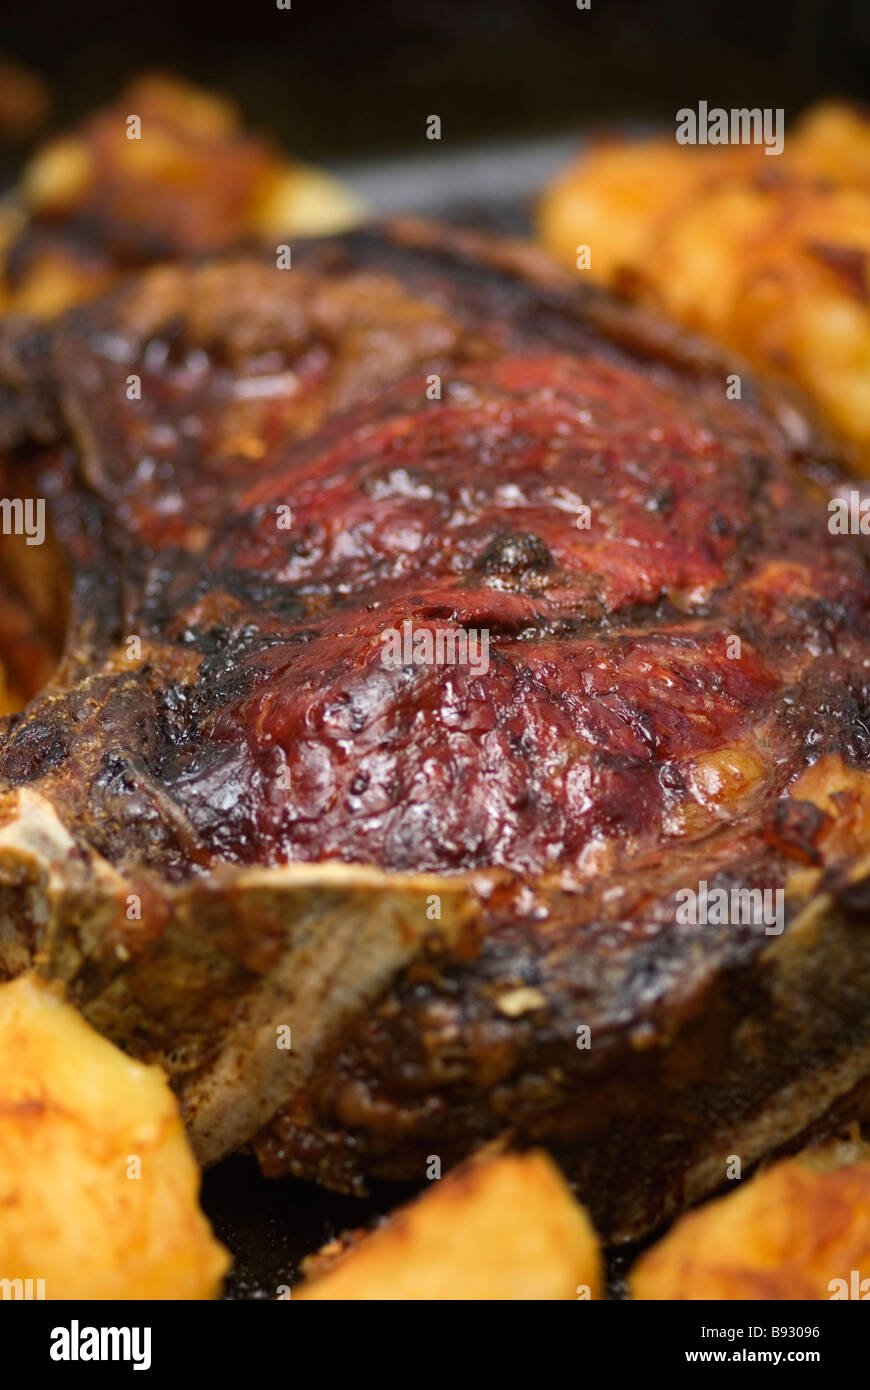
[98, 1187]
[799, 1230]
[767, 254]
[502, 1228]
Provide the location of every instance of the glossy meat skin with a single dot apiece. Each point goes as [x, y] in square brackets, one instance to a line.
[609, 644]
[613, 752]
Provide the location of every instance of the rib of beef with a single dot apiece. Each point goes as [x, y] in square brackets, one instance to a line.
[457, 883]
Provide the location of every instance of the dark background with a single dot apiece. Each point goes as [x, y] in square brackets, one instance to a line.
[336, 78]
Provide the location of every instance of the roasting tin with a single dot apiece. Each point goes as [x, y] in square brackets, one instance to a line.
[271, 1224]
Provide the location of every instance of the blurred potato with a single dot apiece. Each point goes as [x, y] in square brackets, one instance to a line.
[768, 254]
[799, 1230]
[25, 99]
[93, 203]
[76, 1117]
[499, 1228]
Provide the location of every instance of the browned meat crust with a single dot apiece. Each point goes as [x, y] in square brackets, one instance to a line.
[616, 751]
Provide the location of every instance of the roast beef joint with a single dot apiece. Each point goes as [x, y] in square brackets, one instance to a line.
[444, 639]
